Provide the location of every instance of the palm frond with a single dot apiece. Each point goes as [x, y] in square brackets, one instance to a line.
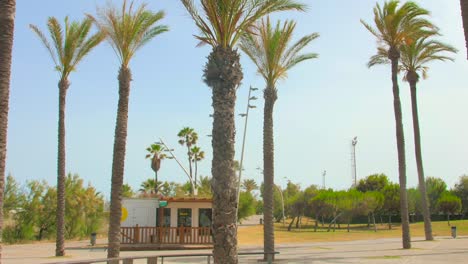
[70, 46]
[128, 30]
[226, 21]
[269, 48]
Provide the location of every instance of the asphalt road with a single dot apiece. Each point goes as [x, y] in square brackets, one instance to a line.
[442, 250]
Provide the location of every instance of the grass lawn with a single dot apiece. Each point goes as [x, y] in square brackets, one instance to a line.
[253, 235]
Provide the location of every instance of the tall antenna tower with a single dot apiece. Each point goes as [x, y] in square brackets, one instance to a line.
[353, 161]
[323, 179]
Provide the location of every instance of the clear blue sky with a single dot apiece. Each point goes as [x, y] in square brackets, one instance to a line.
[322, 105]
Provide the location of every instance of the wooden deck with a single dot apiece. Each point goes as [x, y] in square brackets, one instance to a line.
[166, 235]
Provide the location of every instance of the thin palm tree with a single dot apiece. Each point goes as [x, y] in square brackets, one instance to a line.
[127, 31]
[188, 137]
[396, 26]
[7, 26]
[221, 25]
[69, 47]
[464, 13]
[271, 49]
[249, 185]
[197, 156]
[414, 58]
[156, 154]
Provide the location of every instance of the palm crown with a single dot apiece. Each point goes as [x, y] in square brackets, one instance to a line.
[397, 26]
[226, 21]
[156, 154]
[128, 30]
[70, 47]
[268, 48]
[416, 55]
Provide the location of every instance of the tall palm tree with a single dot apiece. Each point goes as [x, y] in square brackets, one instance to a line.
[68, 48]
[127, 31]
[464, 13]
[156, 154]
[221, 25]
[7, 26]
[271, 49]
[188, 137]
[197, 156]
[414, 58]
[398, 25]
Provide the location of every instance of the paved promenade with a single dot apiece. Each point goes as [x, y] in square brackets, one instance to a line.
[442, 250]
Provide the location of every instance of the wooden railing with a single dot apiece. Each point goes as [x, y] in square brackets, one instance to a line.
[165, 235]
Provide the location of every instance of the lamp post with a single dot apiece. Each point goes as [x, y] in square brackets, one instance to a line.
[282, 201]
[354, 143]
[246, 115]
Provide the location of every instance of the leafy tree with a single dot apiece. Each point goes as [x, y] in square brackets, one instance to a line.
[221, 25]
[395, 26]
[435, 187]
[374, 182]
[156, 154]
[320, 207]
[391, 205]
[13, 197]
[461, 190]
[68, 49]
[449, 204]
[7, 26]
[372, 203]
[271, 49]
[247, 205]
[127, 30]
[414, 202]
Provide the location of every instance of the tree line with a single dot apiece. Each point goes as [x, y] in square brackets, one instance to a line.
[373, 197]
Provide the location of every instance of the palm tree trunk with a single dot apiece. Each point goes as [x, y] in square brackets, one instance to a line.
[7, 25]
[190, 166]
[394, 56]
[270, 96]
[60, 240]
[417, 146]
[223, 74]
[464, 13]
[120, 140]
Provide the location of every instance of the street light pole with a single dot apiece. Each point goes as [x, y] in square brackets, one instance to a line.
[354, 143]
[246, 115]
[282, 202]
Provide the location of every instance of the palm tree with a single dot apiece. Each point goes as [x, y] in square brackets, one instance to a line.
[397, 25]
[188, 137]
[197, 156]
[269, 48]
[249, 185]
[67, 50]
[127, 30]
[414, 58]
[7, 26]
[221, 26]
[150, 187]
[464, 13]
[156, 153]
